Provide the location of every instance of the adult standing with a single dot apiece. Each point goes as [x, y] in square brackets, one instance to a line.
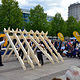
[40, 54]
[74, 43]
[20, 51]
[1, 42]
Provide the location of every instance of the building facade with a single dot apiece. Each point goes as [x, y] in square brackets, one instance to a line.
[26, 14]
[74, 10]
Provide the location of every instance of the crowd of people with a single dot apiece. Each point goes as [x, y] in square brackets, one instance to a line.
[68, 48]
[65, 48]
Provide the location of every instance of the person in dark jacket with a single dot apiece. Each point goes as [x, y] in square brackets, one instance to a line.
[40, 54]
[20, 51]
[1, 42]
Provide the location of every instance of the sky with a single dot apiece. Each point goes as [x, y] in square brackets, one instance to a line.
[51, 7]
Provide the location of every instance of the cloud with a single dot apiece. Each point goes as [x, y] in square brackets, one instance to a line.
[53, 11]
[51, 7]
[65, 4]
[61, 7]
[22, 2]
[0, 1]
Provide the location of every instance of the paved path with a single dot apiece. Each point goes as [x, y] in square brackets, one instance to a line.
[12, 70]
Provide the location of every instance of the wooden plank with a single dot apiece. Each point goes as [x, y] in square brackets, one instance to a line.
[16, 52]
[11, 52]
[24, 51]
[6, 48]
[5, 52]
[52, 46]
[31, 51]
[42, 39]
[49, 48]
[44, 52]
[58, 54]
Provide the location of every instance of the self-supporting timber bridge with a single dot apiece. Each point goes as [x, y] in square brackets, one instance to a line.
[28, 50]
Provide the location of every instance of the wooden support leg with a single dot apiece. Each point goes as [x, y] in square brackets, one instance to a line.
[45, 53]
[49, 48]
[16, 52]
[11, 52]
[31, 51]
[5, 52]
[25, 53]
[54, 49]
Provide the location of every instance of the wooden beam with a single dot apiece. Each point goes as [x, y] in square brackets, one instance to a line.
[12, 51]
[42, 39]
[16, 52]
[58, 54]
[24, 51]
[31, 51]
[44, 52]
[5, 52]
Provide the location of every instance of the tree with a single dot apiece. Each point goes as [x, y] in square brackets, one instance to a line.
[58, 25]
[27, 26]
[71, 25]
[78, 27]
[10, 15]
[38, 19]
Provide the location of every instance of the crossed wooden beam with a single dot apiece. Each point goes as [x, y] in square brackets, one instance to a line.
[35, 38]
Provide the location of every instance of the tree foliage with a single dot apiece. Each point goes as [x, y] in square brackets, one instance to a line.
[38, 19]
[78, 27]
[10, 15]
[58, 25]
[72, 25]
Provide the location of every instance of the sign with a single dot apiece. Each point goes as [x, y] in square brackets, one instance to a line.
[3, 35]
[76, 35]
[60, 35]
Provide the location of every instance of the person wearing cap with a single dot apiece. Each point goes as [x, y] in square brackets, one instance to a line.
[1, 42]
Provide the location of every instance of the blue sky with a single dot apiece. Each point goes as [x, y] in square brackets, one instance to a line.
[51, 7]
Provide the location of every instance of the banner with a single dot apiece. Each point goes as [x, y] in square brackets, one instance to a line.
[76, 35]
[3, 35]
[60, 35]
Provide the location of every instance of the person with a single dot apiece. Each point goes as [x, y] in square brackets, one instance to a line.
[56, 79]
[62, 49]
[69, 42]
[40, 54]
[74, 43]
[78, 50]
[1, 42]
[55, 44]
[20, 51]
